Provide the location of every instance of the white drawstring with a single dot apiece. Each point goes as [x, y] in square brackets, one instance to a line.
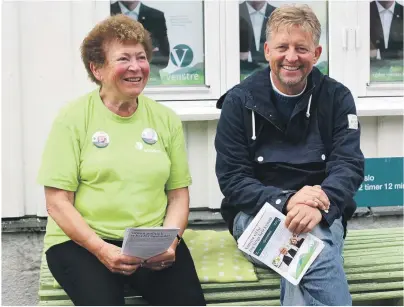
[253, 125]
[308, 108]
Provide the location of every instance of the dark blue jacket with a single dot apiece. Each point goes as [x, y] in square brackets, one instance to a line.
[261, 159]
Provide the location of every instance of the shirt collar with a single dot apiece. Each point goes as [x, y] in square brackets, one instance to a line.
[125, 10]
[252, 10]
[382, 9]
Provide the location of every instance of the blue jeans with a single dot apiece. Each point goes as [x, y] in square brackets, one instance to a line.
[325, 282]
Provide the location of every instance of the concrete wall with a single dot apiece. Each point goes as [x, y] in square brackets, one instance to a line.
[20, 262]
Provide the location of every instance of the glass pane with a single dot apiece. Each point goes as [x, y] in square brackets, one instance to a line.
[386, 41]
[252, 33]
[177, 31]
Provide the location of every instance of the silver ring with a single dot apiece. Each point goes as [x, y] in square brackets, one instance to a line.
[162, 265]
[123, 272]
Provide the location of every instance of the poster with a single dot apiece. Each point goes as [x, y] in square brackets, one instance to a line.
[386, 41]
[251, 57]
[177, 31]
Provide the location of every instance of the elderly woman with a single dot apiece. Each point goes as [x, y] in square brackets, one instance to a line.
[116, 159]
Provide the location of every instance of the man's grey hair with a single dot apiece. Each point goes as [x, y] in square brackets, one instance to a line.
[289, 15]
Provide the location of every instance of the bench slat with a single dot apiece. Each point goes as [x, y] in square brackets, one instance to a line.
[373, 245]
[376, 231]
[366, 287]
[377, 295]
[377, 268]
[242, 295]
[249, 303]
[375, 251]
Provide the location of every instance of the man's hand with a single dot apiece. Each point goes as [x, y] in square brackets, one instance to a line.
[311, 196]
[110, 255]
[302, 219]
[161, 261]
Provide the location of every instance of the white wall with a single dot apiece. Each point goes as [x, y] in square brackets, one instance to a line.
[42, 70]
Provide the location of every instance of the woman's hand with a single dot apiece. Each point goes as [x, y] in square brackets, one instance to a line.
[161, 261]
[111, 256]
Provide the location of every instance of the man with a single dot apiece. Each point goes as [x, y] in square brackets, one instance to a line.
[296, 242]
[253, 18]
[386, 30]
[288, 255]
[153, 21]
[271, 147]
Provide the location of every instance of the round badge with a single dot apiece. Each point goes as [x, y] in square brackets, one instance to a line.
[100, 139]
[149, 136]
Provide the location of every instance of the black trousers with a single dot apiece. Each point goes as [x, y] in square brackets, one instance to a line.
[88, 282]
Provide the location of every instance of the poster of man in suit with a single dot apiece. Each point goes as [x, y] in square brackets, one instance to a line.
[386, 40]
[253, 18]
[153, 21]
[176, 30]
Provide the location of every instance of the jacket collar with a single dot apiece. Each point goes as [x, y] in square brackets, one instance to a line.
[258, 86]
[260, 89]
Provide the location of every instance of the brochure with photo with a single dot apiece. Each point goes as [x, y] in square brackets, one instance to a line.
[269, 241]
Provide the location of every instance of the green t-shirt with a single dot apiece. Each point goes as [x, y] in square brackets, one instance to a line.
[118, 175]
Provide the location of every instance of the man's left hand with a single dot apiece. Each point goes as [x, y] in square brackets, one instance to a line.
[302, 218]
[162, 261]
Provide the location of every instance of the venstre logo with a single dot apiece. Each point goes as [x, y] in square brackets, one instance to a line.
[182, 55]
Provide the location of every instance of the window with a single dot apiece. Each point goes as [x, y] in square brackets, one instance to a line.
[253, 17]
[378, 47]
[386, 41]
[180, 68]
[178, 55]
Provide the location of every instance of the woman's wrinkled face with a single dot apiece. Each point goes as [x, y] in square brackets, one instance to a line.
[126, 69]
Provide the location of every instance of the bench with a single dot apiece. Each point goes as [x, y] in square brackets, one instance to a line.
[373, 261]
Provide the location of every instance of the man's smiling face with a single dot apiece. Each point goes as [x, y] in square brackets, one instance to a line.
[291, 53]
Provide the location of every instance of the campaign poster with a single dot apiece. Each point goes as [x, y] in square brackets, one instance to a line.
[177, 32]
[386, 41]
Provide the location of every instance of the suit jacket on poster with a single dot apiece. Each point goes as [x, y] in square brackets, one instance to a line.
[395, 44]
[247, 41]
[153, 21]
